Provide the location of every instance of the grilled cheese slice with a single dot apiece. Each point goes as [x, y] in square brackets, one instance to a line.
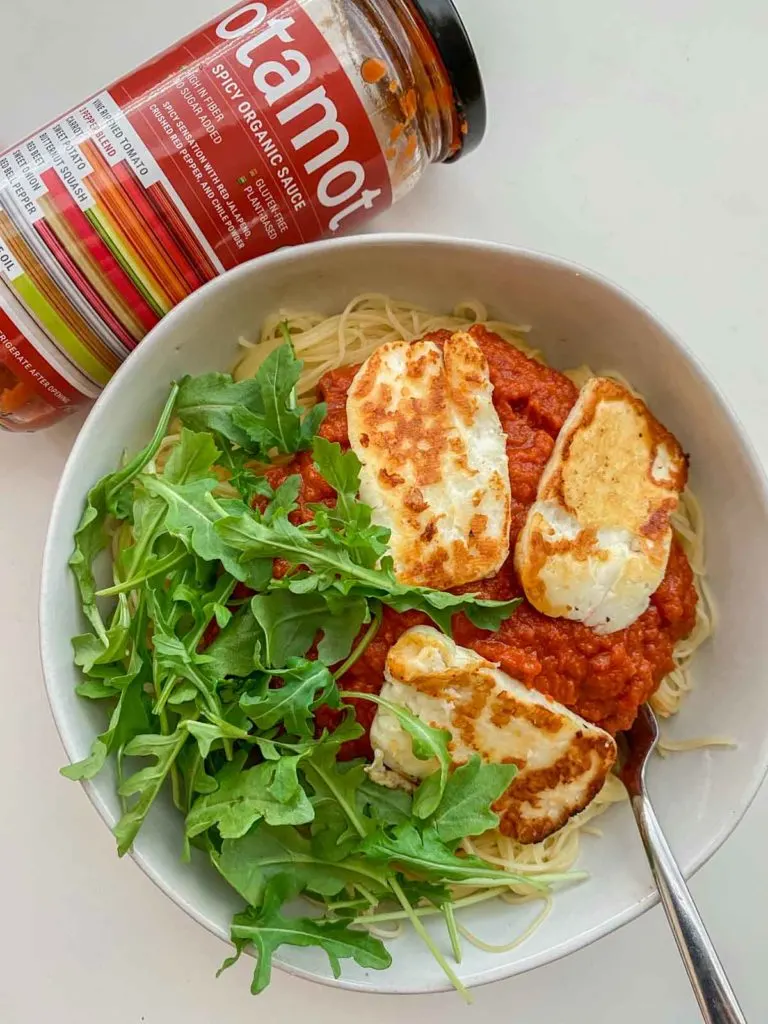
[434, 464]
[563, 760]
[596, 542]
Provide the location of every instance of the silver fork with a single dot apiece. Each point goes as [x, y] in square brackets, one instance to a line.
[716, 999]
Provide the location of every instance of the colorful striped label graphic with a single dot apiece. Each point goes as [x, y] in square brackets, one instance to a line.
[217, 151]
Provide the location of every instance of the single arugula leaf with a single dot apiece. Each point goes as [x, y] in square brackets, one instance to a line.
[311, 423]
[285, 781]
[183, 693]
[342, 471]
[147, 782]
[96, 689]
[267, 929]
[284, 498]
[207, 733]
[260, 440]
[428, 743]
[90, 650]
[422, 851]
[305, 686]
[192, 458]
[222, 614]
[298, 583]
[270, 750]
[343, 622]
[277, 377]
[128, 719]
[384, 805]
[170, 650]
[292, 621]
[249, 863]
[236, 651]
[471, 791]
[271, 791]
[441, 606]
[490, 614]
[90, 536]
[335, 787]
[193, 774]
[206, 403]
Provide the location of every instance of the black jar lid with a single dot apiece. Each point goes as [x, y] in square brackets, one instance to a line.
[458, 55]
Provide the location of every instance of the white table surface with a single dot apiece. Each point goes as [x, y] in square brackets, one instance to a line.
[629, 136]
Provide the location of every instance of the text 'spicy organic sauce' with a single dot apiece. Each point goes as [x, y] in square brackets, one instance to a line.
[280, 122]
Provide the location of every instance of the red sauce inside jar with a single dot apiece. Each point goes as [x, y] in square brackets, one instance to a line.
[602, 678]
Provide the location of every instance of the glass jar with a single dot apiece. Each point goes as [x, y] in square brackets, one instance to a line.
[420, 79]
[278, 123]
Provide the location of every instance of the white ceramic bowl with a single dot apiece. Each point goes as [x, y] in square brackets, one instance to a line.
[577, 317]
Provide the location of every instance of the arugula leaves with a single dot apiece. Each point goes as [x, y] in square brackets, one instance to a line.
[90, 536]
[251, 862]
[191, 514]
[266, 929]
[291, 622]
[128, 719]
[146, 783]
[341, 553]
[422, 850]
[215, 661]
[269, 791]
[305, 686]
[383, 805]
[236, 651]
[335, 788]
[259, 415]
[344, 554]
[367, 542]
[470, 793]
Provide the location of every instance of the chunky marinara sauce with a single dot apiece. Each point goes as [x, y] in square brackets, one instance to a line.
[602, 678]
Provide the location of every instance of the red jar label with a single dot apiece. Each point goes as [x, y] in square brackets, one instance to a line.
[259, 129]
[247, 136]
[28, 365]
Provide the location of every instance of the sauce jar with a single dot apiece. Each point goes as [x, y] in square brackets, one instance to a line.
[280, 122]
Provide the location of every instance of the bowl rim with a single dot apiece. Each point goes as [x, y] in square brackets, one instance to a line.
[144, 351]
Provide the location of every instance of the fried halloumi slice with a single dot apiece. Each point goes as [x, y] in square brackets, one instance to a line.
[434, 464]
[563, 760]
[596, 541]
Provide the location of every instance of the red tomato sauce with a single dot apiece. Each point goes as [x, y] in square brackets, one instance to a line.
[602, 678]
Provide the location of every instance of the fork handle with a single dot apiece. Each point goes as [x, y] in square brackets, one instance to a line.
[716, 999]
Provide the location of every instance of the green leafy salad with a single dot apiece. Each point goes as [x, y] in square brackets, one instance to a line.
[229, 726]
